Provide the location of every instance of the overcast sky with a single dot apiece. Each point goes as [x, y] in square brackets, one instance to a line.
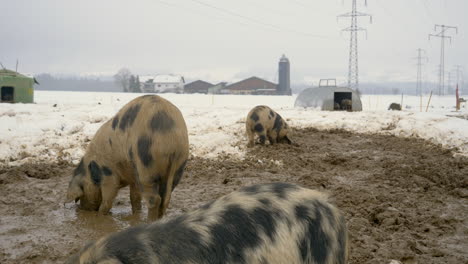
[220, 40]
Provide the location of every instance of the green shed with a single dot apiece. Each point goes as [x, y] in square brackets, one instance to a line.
[16, 87]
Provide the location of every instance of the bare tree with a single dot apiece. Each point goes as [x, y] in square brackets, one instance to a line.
[122, 78]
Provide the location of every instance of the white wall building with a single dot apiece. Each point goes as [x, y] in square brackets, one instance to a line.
[162, 83]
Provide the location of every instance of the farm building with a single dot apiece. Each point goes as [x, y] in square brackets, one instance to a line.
[328, 96]
[198, 86]
[217, 88]
[252, 85]
[162, 84]
[16, 87]
[169, 83]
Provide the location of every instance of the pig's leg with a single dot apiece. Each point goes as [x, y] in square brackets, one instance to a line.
[108, 193]
[251, 137]
[154, 202]
[272, 137]
[135, 198]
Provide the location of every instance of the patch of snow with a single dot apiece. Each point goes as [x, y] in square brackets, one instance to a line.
[216, 123]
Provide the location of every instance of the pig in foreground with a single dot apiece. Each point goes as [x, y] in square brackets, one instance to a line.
[274, 223]
[145, 146]
[266, 123]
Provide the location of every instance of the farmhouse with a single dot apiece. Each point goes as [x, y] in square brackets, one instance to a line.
[162, 84]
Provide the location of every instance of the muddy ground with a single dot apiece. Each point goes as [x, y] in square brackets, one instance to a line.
[404, 199]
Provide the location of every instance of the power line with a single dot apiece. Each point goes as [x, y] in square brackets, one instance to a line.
[442, 36]
[171, 4]
[259, 22]
[353, 69]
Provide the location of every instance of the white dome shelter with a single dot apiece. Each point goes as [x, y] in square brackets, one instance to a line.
[328, 97]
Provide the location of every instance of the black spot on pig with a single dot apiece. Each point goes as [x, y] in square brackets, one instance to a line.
[254, 117]
[129, 117]
[265, 219]
[143, 148]
[80, 170]
[115, 122]
[178, 175]
[327, 212]
[278, 123]
[110, 142]
[258, 128]
[271, 115]
[130, 154]
[161, 122]
[262, 139]
[95, 172]
[281, 189]
[106, 170]
[248, 226]
[316, 242]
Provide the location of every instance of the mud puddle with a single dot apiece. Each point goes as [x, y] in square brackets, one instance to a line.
[404, 199]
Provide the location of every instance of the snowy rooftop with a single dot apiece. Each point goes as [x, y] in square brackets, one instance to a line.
[167, 78]
[145, 78]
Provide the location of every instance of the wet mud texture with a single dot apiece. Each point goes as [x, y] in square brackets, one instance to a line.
[404, 199]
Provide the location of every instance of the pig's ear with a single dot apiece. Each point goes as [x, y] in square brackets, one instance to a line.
[75, 189]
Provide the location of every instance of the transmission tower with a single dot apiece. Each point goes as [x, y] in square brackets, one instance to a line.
[442, 36]
[353, 70]
[420, 58]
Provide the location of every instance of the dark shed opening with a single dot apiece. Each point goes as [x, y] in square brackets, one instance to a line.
[339, 97]
[7, 94]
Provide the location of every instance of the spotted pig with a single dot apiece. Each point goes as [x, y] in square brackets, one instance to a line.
[145, 146]
[346, 104]
[266, 123]
[274, 223]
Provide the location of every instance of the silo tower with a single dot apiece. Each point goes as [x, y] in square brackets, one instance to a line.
[284, 86]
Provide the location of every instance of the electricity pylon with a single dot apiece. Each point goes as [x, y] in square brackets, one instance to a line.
[442, 36]
[353, 70]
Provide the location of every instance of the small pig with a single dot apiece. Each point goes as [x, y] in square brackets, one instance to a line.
[145, 146]
[265, 122]
[336, 106]
[347, 105]
[394, 106]
[274, 223]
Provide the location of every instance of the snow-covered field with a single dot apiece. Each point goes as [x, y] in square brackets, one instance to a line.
[59, 123]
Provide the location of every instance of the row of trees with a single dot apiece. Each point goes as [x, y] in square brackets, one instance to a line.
[127, 81]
